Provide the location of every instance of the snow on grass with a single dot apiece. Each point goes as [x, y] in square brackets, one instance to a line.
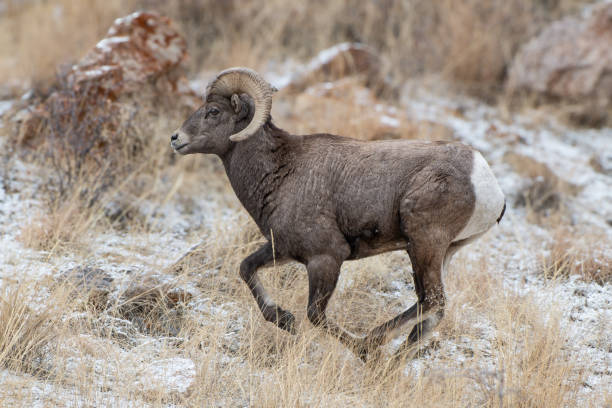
[171, 374]
[511, 251]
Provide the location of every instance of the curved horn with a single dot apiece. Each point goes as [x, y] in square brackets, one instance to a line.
[245, 80]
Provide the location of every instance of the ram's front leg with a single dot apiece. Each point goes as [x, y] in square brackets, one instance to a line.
[270, 310]
[323, 272]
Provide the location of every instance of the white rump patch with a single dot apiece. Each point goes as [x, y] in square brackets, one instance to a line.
[488, 196]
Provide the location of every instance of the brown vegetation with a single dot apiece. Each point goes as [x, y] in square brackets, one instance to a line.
[471, 41]
[571, 254]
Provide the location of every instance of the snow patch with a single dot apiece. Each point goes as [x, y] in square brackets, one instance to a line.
[170, 374]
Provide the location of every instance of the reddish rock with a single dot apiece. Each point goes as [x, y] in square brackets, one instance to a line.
[339, 61]
[141, 56]
[138, 48]
[571, 58]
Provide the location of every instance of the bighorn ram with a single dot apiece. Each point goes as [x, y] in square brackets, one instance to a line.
[327, 199]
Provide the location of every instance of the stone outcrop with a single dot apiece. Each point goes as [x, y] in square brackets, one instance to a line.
[570, 59]
[139, 60]
[139, 48]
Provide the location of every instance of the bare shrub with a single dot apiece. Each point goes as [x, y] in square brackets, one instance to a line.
[94, 150]
[83, 137]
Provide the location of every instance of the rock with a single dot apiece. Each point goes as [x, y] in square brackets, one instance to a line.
[337, 62]
[138, 48]
[570, 59]
[95, 282]
[141, 57]
[153, 307]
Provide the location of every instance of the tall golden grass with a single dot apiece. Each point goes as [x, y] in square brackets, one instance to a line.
[496, 347]
[470, 41]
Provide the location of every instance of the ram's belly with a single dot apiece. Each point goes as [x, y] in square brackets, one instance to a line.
[361, 248]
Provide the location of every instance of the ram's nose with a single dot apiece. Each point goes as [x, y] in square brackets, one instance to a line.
[174, 137]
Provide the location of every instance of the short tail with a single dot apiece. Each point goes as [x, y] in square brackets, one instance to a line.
[502, 212]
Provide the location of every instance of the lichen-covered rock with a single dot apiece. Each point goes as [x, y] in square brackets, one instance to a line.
[138, 48]
[570, 59]
[139, 61]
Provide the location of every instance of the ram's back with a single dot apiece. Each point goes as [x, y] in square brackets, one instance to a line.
[364, 186]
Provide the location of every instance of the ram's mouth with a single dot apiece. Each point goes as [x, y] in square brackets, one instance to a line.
[177, 148]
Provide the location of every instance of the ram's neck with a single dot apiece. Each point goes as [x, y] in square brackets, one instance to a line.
[256, 168]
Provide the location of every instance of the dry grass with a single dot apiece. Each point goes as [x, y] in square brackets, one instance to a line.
[571, 253]
[528, 366]
[27, 332]
[470, 41]
[36, 37]
[495, 347]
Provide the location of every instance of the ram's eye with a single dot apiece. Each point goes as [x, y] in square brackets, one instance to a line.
[213, 111]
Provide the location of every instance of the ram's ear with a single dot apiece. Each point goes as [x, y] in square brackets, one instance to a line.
[242, 105]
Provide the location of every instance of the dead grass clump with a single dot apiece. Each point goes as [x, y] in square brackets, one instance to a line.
[66, 220]
[570, 255]
[154, 308]
[541, 197]
[530, 350]
[545, 193]
[58, 230]
[225, 246]
[26, 334]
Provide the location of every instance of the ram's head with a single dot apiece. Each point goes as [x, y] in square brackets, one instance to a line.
[237, 103]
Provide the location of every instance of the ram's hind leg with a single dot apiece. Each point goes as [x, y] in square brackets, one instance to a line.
[427, 263]
[248, 272]
[423, 330]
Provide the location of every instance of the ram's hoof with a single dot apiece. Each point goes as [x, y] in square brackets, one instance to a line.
[286, 321]
[362, 349]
